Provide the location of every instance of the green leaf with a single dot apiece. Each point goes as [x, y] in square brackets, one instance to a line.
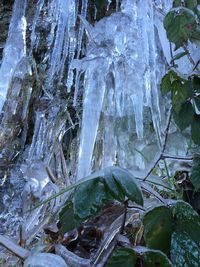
[191, 4]
[185, 116]
[67, 218]
[195, 176]
[186, 238]
[125, 257]
[179, 55]
[183, 212]
[180, 23]
[113, 188]
[154, 258]
[167, 81]
[195, 129]
[89, 198]
[179, 95]
[181, 89]
[128, 185]
[184, 251]
[158, 226]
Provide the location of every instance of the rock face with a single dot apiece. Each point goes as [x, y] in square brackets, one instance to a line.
[36, 112]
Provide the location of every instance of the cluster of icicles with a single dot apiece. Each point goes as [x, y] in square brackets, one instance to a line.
[120, 70]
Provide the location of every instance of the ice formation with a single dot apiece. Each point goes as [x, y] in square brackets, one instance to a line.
[15, 48]
[121, 70]
[116, 74]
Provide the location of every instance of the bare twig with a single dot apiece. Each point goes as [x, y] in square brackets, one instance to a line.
[151, 191]
[196, 65]
[171, 54]
[164, 156]
[135, 207]
[189, 56]
[163, 147]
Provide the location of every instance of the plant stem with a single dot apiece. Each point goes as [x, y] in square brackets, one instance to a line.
[155, 183]
[189, 56]
[164, 156]
[163, 147]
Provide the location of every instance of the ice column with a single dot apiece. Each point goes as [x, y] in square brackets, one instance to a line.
[15, 48]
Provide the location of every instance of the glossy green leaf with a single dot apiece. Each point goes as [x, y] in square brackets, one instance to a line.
[195, 129]
[192, 229]
[185, 116]
[158, 227]
[67, 218]
[195, 176]
[122, 257]
[183, 212]
[89, 198]
[154, 258]
[184, 251]
[180, 23]
[128, 185]
[113, 187]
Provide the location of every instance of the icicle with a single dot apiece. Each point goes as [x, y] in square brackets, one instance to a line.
[37, 14]
[117, 5]
[79, 44]
[92, 106]
[15, 48]
[81, 27]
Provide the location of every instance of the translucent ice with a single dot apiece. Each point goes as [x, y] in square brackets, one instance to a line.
[15, 48]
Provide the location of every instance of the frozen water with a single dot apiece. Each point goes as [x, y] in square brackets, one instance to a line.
[15, 48]
[129, 78]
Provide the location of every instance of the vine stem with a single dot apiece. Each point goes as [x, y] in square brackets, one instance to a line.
[189, 56]
[164, 156]
[163, 147]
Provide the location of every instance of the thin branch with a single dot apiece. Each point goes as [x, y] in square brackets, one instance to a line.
[155, 183]
[189, 56]
[151, 191]
[135, 207]
[172, 62]
[196, 65]
[164, 156]
[163, 147]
